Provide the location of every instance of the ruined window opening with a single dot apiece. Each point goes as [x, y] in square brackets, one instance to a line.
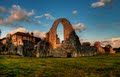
[60, 34]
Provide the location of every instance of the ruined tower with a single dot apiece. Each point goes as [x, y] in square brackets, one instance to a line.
[70, 46]
[68, 31]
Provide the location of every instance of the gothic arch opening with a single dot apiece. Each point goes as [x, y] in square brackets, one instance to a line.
[60, 34]
[67, 28]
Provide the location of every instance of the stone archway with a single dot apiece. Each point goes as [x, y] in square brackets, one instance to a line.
[71, 47]
[68, 29]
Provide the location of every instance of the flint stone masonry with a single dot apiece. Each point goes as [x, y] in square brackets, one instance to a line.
[70, 47]
[68, 29]
[51, 46]
[109, 49]
[42, 49]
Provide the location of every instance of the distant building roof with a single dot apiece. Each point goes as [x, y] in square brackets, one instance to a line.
[3, 38]
[26, 34]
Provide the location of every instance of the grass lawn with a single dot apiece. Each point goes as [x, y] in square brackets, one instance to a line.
[95, 66]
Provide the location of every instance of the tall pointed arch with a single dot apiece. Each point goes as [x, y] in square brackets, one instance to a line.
[68, 29]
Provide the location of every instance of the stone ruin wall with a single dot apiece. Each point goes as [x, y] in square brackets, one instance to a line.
[71, 45]
[52, 33]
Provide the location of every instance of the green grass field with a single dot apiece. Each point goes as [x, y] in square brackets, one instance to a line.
[96, 66]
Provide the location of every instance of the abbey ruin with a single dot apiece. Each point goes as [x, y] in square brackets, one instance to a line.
[25, 44]
[70, 46]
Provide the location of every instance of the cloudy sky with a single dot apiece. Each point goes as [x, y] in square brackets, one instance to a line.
[92, 19]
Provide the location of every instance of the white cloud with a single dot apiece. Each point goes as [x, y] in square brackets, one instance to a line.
[36, 33]
[42, 23]
[114, 42]
[39, 16]
[31, 13]
[101, 3]
[105, 42]
[74, 12]
[16, 14]
[39, 34]
[79, 27]
[98, 4]
[49, 16]
[18, 30]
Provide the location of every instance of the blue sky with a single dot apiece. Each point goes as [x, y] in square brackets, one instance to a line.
[101, 22]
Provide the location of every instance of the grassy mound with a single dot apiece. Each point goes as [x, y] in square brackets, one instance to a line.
[96, 66]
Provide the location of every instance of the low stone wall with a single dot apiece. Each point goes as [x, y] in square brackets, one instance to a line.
[83, 51]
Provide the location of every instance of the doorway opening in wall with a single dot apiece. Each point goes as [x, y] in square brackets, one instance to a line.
[60, 34]
[69, 55]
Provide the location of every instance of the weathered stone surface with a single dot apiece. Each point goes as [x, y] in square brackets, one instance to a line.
[70, 43]
[13, 49]
[28, 48]
[68, 29]
[20, 50]
[88, 50]
[109, 49]
[70, 47]
[51, 46]
[59, 52]
[42, 49]
[2, 48]
[85, 51]
[8, 44]
[9, 48]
